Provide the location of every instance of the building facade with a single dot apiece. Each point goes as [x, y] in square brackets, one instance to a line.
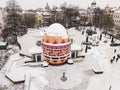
[91, 11]
[83, 16]
[39, 19]
[116, 17]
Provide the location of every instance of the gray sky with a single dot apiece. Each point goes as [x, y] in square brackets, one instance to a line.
[33, 4]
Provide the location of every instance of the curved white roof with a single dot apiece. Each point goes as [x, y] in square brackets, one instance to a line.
[56, 29]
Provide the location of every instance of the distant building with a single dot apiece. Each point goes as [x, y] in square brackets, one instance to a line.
[58, 16]
[83, 12]
[47, 18]
[71, 17]
[29, 18]
[39, 19]
[93, 4]
[91, 11]
[47, 15]
[108, 10]
[116, 17]
[83, 16]
[47, 7]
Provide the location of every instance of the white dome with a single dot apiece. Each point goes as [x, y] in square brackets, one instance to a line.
[56, 29]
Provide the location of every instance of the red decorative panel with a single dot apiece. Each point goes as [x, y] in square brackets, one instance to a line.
[56, 53]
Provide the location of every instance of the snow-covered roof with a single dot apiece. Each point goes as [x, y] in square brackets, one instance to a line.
[56, 29]
[3, 43]
[59, 9]
[39, 13]
[35, 50]
[46, 13]
[75, 47]
[29, 40]
[16, 76]
[118, 11]
[94, 63]
[38, 34]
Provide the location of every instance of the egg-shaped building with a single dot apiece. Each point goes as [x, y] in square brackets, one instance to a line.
[56, 44]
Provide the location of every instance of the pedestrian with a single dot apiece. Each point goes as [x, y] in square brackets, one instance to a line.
[111, 61]
[100, 37]
[86, 49]
[118, 56]
[114, 50]
[116, 59]
[82, 32]
[110, 88]
[112, 40]
[113, 58]
[87, 39]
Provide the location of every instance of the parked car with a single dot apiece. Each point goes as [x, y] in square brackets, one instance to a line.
[115, 44]
[117, 36]
[87, 43]
[118, 55]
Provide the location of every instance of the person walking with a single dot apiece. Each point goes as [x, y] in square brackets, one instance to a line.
[110, 88]
[114, 50]
[116, 59]
[111, 61]
[113, 58]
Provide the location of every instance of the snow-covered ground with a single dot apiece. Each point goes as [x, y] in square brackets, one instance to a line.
[79, 74]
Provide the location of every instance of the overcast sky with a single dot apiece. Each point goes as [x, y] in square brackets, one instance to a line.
[34, 4]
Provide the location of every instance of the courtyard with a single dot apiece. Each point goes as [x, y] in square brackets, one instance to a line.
[80, 75]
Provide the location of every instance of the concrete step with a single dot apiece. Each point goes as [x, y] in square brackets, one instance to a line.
[41, 85]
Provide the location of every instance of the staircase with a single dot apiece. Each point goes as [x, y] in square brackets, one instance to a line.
[40, 83]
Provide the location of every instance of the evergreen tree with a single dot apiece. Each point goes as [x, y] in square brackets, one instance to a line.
[14, 25]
